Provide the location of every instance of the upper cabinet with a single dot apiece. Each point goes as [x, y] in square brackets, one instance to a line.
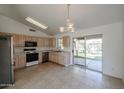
[52, 42]
[18, 40]
[46, 42]
[39, 42]
[66, 41]
[15, 40]
[43, 42]
[21, 40]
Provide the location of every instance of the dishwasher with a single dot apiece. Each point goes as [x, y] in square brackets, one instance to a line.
[45, 57]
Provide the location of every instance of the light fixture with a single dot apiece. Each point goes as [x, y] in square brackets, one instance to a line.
[29, 19]
[69, 25]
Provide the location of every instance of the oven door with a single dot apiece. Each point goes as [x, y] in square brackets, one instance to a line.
[30, 57]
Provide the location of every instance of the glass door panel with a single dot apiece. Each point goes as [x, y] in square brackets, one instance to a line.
[94, 54]
[79, 51]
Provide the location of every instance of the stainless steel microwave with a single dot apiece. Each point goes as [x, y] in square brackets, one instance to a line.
[30, 44]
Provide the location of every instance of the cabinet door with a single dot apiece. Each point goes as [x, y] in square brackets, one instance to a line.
[50, 57]
[22, 60]
[24, 38]
[53, 58]
[15, 40]
[34, 39]
[27, 38]
[47, 42]
[20, 41]
[40, 57]
[38, 42]
[61, 60]
[42, 42]
[16, 59]
[56, 58]
[66, 41]
[52, 42]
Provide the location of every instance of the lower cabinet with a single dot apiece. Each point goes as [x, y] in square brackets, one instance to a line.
[16, 59]
[62, 58]
[40, 57]
[50, 56]
[19, 61]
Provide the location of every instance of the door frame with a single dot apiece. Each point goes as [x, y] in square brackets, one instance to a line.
[85, 51]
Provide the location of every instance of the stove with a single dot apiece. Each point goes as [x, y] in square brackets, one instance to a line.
[32, 57]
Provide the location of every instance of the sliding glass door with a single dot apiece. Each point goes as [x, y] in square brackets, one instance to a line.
[94, 54]
[88, 52]
[79, 51]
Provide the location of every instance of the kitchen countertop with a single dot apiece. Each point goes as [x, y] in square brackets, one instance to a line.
[22, 52]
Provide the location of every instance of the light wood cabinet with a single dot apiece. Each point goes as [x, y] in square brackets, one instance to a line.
[15, 40]
[50, 56]
[19, 61]
[62, 58]
[45, 42]
[27, 38]
[40, 57]
[22, 60]
[34, 39]
[16, 59]
[18, 40]
[42, 42]
[66, 41]
[39, 41]
[55, 57]
[52, 42]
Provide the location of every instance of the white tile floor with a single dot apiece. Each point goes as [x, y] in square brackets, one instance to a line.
[91, 64]
[53, 76]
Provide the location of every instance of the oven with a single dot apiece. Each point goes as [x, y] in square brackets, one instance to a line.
[32, 58]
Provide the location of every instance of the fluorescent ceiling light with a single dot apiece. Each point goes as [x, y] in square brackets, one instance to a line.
[36, 23]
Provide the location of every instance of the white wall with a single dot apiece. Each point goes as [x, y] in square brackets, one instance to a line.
[112, 46]
[11, 26]
[123, 52]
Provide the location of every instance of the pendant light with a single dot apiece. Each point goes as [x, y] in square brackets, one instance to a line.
[69, 27]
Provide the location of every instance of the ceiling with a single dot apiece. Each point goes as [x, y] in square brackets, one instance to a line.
[54, 15]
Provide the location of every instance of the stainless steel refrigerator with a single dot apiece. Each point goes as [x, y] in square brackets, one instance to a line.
[6, 61]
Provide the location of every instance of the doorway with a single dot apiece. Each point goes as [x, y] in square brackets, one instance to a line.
[88, 52]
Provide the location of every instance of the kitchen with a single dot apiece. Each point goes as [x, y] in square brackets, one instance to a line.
[24, 45]
[35, 51]
[30, 50]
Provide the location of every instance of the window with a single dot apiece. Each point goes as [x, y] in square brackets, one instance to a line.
[60, 43]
